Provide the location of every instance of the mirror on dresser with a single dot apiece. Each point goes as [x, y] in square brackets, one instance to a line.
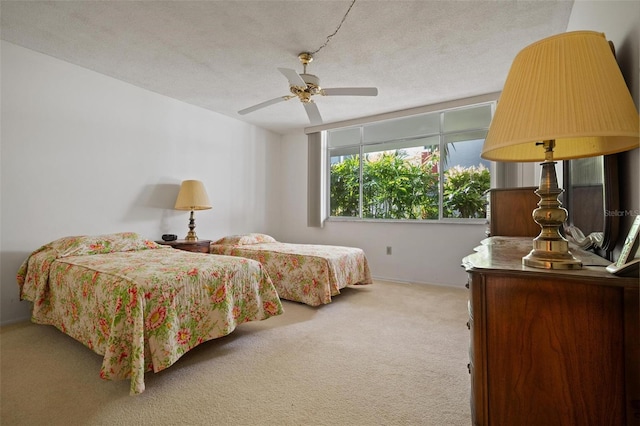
[591, 198]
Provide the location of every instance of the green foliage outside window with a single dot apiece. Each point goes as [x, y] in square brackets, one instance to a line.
[345, 187]
[464, 189]
[395, 187]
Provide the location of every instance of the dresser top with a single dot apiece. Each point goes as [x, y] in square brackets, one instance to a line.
[504, 254]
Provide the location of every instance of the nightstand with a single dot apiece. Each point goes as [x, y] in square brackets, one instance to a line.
[200, 246]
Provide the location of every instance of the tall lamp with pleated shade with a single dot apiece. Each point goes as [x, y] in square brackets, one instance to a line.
[192, 196]
[564, 98]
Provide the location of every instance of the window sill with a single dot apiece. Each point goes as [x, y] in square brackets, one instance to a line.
[482, 222]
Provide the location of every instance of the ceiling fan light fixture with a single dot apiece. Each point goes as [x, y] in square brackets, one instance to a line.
[303, 95]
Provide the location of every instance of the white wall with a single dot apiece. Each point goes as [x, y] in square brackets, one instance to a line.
[421, 252]
[82, 153]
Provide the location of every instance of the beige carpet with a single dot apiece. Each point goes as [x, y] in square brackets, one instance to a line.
[384, 354]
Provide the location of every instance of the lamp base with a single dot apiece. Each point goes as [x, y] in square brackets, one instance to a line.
[191, 235]
[550, 248]
[551, 254]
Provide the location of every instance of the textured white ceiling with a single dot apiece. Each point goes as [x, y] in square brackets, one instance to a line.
[224, 55]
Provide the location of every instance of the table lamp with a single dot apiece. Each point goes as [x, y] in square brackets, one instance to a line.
[564, 98]
[192, 196]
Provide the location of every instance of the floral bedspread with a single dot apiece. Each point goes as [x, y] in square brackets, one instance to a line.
[139, 304]
[305, 273]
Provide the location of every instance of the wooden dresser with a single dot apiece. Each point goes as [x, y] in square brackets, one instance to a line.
[551, 347]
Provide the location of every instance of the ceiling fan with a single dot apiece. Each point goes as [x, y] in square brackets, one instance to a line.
[304, 86]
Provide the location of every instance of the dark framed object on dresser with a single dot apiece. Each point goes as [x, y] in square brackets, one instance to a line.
[592, 199]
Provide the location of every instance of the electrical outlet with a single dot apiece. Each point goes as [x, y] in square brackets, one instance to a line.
[388, 249]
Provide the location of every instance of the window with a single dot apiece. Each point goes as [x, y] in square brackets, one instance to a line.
[420, 167]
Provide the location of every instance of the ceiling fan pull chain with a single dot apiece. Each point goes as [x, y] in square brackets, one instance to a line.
[336, 31]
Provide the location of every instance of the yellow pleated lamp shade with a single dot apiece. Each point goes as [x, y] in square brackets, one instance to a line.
[192, 196]
[566, 88]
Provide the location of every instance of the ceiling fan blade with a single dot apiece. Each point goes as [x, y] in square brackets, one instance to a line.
[350, 91]
[264, 104]
[293, 77]
[313, 113]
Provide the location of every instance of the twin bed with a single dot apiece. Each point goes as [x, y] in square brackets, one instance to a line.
[305, 273]
[142, 305]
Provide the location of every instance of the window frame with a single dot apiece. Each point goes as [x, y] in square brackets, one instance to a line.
[361, 145]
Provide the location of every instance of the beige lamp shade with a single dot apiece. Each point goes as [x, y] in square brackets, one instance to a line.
[566, 88]
[192, 196]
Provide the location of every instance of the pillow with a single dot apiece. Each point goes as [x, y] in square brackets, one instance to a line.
[100, 244]
[246, 239]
